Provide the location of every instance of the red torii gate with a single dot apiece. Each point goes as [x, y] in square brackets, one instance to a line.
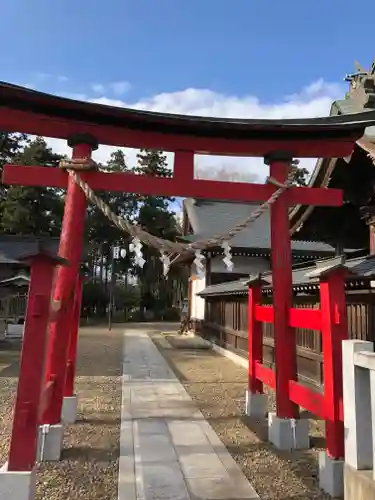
[84, 126]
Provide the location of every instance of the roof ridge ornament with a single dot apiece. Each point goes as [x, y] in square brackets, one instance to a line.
[362, 85]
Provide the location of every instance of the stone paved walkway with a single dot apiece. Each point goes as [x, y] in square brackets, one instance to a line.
[167, 449]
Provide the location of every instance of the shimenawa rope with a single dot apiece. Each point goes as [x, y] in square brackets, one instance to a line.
[83, 164]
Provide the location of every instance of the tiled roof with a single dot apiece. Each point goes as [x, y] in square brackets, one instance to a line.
[229, 287]
[17, 279]
[13, 248]
[209, 218]
[349, 106]
[362, 267]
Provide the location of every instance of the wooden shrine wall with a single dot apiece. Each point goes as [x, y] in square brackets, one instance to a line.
[225, 323]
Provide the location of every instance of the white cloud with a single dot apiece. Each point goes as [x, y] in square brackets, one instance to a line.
[98, 88]
[42, 77]
[117, 88]
[120, 88]
[312, 101]
[62, 78]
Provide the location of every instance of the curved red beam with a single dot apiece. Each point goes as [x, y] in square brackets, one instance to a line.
[33, 112]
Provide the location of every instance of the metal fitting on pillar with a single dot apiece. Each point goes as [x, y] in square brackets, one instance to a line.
[83, 145]
[84, 139]
[279, 156]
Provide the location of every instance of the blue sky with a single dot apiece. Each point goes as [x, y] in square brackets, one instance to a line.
[231, 58]
[263, 47]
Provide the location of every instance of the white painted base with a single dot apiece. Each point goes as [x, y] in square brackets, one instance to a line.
[69, 409]
[50, 443]
[255, 405]
[331, 475]
[17, 485]
[288, 434]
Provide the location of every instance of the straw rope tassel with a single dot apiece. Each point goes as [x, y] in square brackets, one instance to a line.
[169, 248]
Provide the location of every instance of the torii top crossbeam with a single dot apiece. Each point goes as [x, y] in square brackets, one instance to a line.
[143, 129]
[32, 112]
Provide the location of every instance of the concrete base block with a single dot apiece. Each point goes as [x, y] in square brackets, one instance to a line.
[331, 475]
[17, 485]
[69, 409]
[255, 405]
[50, 443]
[288, 434]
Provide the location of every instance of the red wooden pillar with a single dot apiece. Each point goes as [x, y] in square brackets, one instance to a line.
[255, 336]
[23, 442]
[71, 245]
[73, 341]
[334, 331]
[281, 255]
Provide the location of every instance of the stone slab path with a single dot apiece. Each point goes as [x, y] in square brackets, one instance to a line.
[167, 449]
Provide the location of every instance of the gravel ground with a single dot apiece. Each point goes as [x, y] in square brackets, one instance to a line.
[9, 361]
[217, 386]
[89, 465]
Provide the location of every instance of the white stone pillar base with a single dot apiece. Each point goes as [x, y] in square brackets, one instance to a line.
[255, 405]
[331, 475]
[50, 443]
[357, 407]
[17, 485]
[69, 409]
[288, 433]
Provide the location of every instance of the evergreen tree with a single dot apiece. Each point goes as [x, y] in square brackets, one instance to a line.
[99, 228]
[10, 147]
[28, 209]
[101, 233]
[156, 216]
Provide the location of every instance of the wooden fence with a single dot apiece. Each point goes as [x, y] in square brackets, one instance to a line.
[226, 324]
[13, 306]
[12, 310]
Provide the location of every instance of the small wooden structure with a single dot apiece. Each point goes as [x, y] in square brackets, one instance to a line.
[15, 279]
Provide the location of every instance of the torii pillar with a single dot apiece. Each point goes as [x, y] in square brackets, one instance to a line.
[71, 247]
[70, 401]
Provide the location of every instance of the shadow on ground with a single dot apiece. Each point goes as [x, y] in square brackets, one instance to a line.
[99, 364]
[10, 353]
[83, 453]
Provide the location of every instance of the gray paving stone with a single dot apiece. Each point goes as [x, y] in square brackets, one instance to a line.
[217, 489]
[141, 413]
[161, 482]
[126, 479]
[168, 450]
[152, 426]
[225, 457]
[154, 448]
[126, 439]
[198, 465]
[188, 438]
